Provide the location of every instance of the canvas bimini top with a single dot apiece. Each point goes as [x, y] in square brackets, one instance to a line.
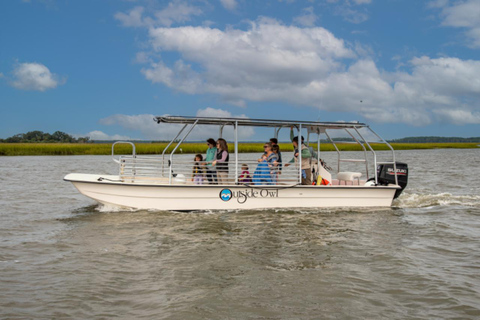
[313, 126]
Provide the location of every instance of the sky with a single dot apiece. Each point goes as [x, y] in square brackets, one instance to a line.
[105, 68]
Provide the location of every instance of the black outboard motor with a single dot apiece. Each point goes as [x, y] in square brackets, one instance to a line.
[386, 175]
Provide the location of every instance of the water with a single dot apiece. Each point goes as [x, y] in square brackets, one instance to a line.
[62, 256]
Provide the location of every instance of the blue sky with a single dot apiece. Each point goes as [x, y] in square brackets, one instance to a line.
[104, 68]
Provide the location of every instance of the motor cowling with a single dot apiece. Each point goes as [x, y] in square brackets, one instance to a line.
[386, 175]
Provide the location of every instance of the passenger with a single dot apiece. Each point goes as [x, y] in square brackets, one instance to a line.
[210, 157]
[274, 142]
[266, 169]
[198, 170]
[312, 152]
[221, 162]
[278, 162]
[245, 177]
[305, 165]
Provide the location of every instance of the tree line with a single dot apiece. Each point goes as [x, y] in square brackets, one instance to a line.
[44, 137]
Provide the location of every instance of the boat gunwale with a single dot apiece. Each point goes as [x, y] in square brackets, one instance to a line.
[297, 186]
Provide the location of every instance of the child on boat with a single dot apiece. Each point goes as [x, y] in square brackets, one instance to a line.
[245, 176]
[198, 170]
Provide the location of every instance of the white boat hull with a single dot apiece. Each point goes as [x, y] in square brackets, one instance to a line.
[111, 191]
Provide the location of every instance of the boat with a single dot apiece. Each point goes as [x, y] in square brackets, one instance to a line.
[163, 181]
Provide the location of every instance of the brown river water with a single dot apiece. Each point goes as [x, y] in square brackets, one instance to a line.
[62, 256]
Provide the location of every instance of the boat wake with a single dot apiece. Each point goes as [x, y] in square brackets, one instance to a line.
[417, 200]
[114, 208]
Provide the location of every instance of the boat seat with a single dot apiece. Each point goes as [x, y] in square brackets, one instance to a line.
[348, 176]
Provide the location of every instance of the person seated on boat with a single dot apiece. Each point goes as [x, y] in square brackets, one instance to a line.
[245, 177]
[209, 158]
[306, 158]
[198, 170]
[221, 161]
[266, 169]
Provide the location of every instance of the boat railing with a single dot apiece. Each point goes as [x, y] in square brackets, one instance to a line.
[134, 153]
[155, 169]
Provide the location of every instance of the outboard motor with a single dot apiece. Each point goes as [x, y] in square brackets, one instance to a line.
[386, 175]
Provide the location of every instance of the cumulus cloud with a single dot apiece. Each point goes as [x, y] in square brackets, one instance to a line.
[34, 76]
[309, 66]
[145, 124]
[252, 64]
[175, 12]
[229, 4]
[462, 14]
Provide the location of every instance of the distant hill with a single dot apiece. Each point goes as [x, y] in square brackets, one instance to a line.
[433, 139]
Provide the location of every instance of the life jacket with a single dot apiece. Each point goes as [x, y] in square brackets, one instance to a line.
[222, 166]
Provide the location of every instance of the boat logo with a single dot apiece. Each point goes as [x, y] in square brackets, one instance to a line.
[243, 195]
[226, 194]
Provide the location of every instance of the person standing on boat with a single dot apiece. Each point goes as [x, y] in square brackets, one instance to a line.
[274, 142]
[210, 157]
[221, 162]
[278, 162]
[312, 152]
[306, 157]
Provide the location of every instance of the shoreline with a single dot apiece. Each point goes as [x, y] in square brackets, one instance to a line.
[69, 149]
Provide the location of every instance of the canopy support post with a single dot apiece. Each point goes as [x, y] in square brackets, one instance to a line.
[165, 150]
[176, 147]
[299, 146]
[236, 151]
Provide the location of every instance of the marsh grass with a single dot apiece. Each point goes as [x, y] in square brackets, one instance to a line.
[65, 149]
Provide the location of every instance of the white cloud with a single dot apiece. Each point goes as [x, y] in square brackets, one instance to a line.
[133, 18]
[462, 14]
[34, 76]
[229, 4]
[175, 12]
[307, 19]
[243, 65]
[310, 67]
[1, 75]
[459, 117]
[145, 124]
[99, 135]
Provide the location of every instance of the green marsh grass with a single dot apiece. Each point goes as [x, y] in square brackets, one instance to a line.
[69, 149]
